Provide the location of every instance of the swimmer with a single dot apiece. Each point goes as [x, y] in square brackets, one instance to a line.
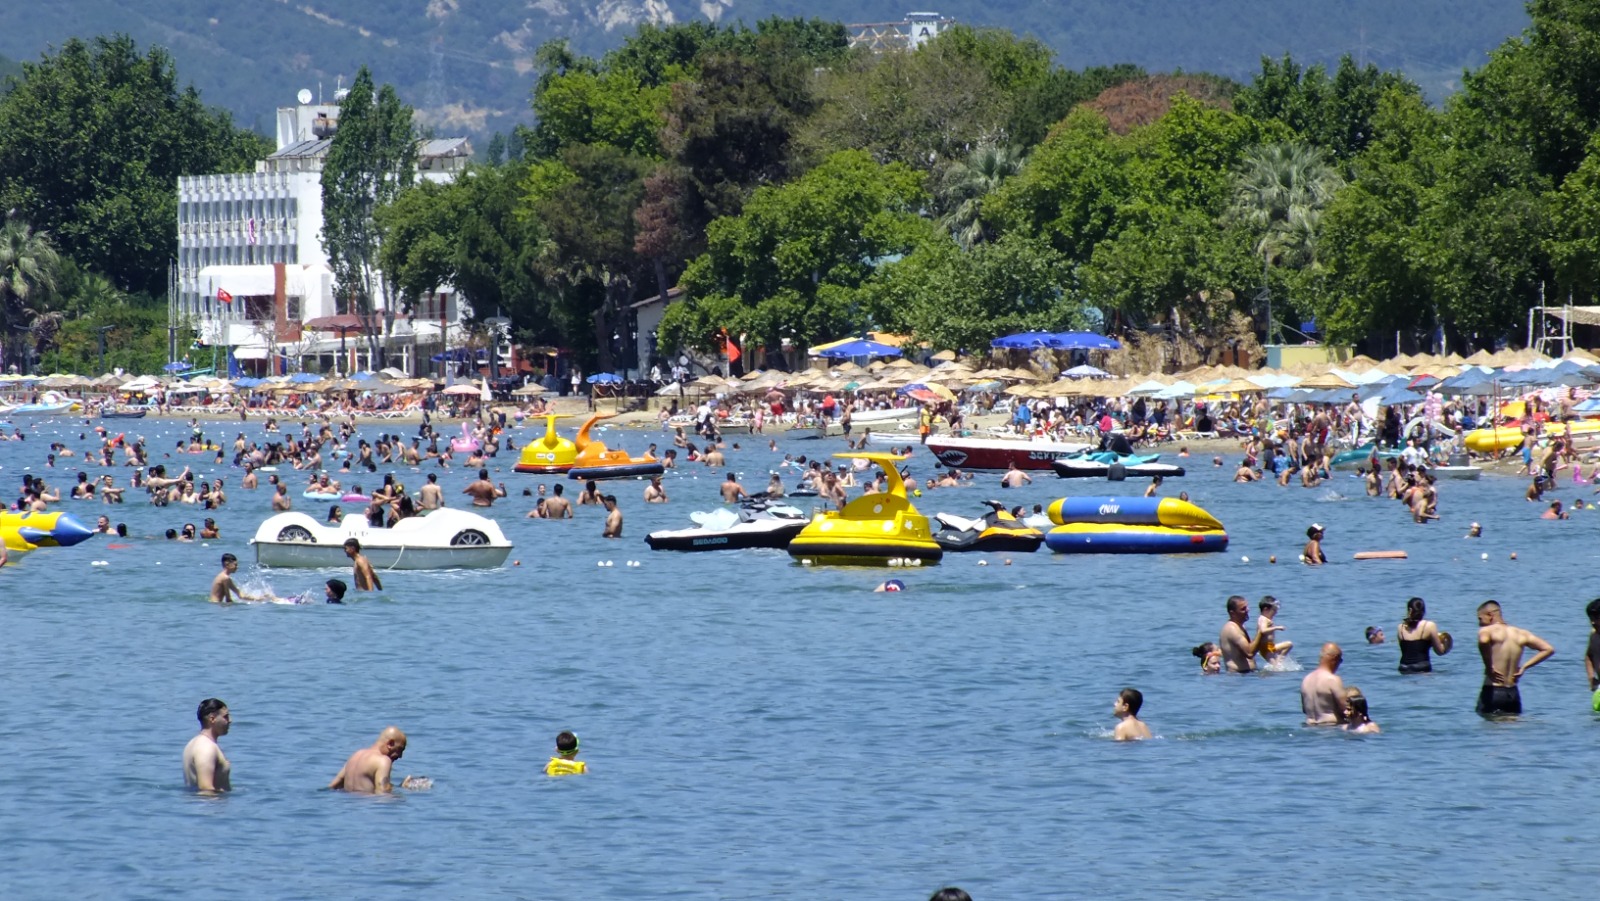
[368, 770]
[1555, 512]
[1126, 709]
[482, 491]
[732, 491]
[205, 767]
[431, 496]
[1375, 635]
[333, 591]
[891, 585]
[1356, 718]
[1501, 646]
[1210, 658]
[223, 589]
[1474, 531]
[1153, 487]
[613, 527]
[654, 493]
[1322, 691]
[366, 577]
[950, 893]
[1271, 650]
[565, 763]
[1014, 477]
[1312, 554]
[1418, 636]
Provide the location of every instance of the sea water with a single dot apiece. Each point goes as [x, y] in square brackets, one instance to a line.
[759, 729]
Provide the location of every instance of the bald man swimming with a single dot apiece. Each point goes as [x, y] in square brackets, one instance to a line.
[367, 771]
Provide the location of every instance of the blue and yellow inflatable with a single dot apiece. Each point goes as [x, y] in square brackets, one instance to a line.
[1132, 525]
[31, 531]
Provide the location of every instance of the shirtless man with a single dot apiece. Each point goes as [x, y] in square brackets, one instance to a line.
[1501, 646]
[367, 771]
[483, 492]
[1322, 691]
[431, 496]
[1239, 650]
[590, 494]
[366, 578]
[613, 527]
[205, 767]
[556, 506]
[1015, 478]
[223, 589]
[713, 458]
[732, 491]
[654, 493]
[280, 501]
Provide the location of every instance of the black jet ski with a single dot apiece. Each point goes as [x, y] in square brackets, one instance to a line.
[760, 522]
[996, 530]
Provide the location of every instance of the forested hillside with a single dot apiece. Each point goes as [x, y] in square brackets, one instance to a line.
[466, 64]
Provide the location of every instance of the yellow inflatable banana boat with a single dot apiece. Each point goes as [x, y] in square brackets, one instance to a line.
[30, 531]
[871, 530]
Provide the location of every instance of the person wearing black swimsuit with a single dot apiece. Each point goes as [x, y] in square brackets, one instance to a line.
[1418, 636]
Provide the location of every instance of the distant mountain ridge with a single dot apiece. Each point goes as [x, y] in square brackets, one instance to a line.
[466, 64]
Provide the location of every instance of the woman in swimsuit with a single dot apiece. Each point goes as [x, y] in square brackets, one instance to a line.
[1419, 636]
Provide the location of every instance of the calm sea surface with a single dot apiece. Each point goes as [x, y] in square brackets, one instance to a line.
[756, 729]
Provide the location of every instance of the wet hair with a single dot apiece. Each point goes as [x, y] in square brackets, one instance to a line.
[483, 474]
[339, 588]
[1415, 611]
[557, 489]
[609, 498]
[433, 477]
[566, 742]
[1237, 599]
[950, 893]
[1356, 700]
[352, 544]
[1267, 601]
[1203, 650]
[210, 707]
[1486, 606]
[172, 534]
[122, 530]
[1133, 698]
[1593, 610]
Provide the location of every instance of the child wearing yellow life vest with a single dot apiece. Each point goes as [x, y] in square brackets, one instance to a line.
[565, 763]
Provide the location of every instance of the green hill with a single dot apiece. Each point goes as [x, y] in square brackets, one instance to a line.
[465, 63]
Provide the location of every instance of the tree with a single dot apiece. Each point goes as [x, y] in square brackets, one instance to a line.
[28, 270]
[1574, 245]
[790, 265]
[1279, 193]
[92, 142]
[965, 184]
[371, 160]
[1334, 114]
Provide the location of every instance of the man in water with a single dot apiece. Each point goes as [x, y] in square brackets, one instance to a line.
[613, 527]
[280, 501]
[1014, 477]
[431, 496]
[483, 491]
[1501, 646]
[1239, 650]
[205, 767]
[1322, 691]
[223, 589]
[654, 493]
[732, 491]
[366, 577]
[557, 506]
[368, 770]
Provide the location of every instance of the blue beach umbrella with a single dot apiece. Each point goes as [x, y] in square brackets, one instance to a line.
[862, 348]
[1026, 341]
[1085, 341]
[604, 378]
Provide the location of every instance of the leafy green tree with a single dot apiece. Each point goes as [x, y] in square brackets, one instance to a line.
[1039, 105]
[371, 160]
[1069, 190]
[1334, 113]
[608, 107]
[1279, 194]
[791, 265]
[29, 266]
[965, 184]
[1574, 245]
[92, 141]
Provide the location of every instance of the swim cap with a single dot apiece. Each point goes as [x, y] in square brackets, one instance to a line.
[894, 585]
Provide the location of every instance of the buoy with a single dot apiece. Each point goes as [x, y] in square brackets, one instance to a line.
[1008, 561]
[1273, 559]
[1380, 555]
[1513, 556]
[1485, 556]
[983, 563]
[1244, 559]
[1116, 472]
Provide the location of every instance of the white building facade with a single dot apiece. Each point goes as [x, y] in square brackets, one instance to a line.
[251, 267]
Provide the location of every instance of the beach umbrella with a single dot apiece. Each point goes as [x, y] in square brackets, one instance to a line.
[1085, 341]
[462, 390]
[861, 348]
[529, 390]
[1086, 372]
[604, 378]
[1026, 341]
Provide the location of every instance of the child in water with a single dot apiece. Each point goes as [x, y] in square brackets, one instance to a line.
[565, 763]
[1210, 658]
[1355, 713]
[1126, 708]
[1272, 651]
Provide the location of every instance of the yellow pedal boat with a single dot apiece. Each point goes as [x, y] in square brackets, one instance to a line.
[871, 530]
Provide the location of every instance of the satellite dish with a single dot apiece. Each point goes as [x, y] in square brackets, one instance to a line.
[305, 95]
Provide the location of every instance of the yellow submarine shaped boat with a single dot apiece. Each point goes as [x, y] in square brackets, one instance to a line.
[1132, 525]
[549, 454]
[31, 531]
[873, 529]
[596, 461]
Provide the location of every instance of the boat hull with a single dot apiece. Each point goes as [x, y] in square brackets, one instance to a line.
[863, 550]
[124, 414]
[1002, 541]
[738, 538]
[1456, 472]
[617, 471]
[1000, 453]
[296, 555]
[1090, 469]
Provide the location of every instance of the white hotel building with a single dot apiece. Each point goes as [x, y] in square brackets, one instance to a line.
[258, 237]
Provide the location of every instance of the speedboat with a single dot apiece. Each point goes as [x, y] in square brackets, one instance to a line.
[443, 539]
[549, 454]
[123, 414]
[760, 524]
[1098, 465]
[1133, 525]
[1001, 453]
[893, 415]
[996, 530]
[872, 529]
[596, 461]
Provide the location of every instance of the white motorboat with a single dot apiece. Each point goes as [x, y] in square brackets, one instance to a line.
[1001, 453]
[880, 418]
[1456, 472]
[759, 525]
[443, 539]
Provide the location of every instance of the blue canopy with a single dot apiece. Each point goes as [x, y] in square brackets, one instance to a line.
[175, 366]
[247, 382]
[460, 355]
[1085, 341]
[604, 378]
[1026, 340]
[862, 348]
[304, 378]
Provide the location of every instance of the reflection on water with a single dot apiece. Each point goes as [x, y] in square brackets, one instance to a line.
[756, 728]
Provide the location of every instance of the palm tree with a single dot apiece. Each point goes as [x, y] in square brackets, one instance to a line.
[28, 268]
[1280, 191]
[966, 183]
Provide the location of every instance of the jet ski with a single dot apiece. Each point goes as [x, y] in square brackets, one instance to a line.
[1098, 465]
[760, 522]
[996, 530]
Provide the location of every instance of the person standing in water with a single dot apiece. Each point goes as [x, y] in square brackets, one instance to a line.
[366, 577]
[1322, 691]
[613, 527]
[368, 770]
[1239, 650]
[1418, 636]
[1312, 555]
[1501, 645]
[1126, 709]
[1591, 656]
[205, 767]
